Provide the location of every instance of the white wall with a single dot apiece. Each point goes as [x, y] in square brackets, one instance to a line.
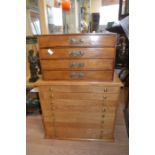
[95, 5]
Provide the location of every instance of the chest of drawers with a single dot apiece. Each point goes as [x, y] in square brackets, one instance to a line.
[79, 110]
[86, 57]
[78, 92]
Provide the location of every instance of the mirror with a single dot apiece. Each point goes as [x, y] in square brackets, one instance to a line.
[84, 16]
[123, 8]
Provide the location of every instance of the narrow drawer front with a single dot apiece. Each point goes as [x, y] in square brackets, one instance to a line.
[69, 53]
[92, 104]
[77, 40]
[79, 117]
[78, 75]
[87, 64]
[83, 96]
[82, 88]
[82, 108]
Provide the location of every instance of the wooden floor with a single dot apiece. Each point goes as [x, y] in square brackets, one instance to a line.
[37, 145]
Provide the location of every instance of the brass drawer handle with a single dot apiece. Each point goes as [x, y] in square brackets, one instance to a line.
[77, 65]
[78, 75]
[104, 110]
[105, 89]
[103, 116]
[76, 54]
[75, 41]
[51, 95]
[104, 97]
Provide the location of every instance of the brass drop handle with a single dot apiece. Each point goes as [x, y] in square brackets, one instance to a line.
[51, 96]
[75, 41]
[105, 89]
[103, 116]
[104, 97]
[76, 54]
[78, 75]
[77, 65]
[103, 110]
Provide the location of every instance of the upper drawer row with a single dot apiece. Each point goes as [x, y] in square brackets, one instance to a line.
[77, 40]
[67, 53]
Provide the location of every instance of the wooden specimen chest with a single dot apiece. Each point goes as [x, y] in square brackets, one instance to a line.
[78, 92]
[73, 57]
[79, 110]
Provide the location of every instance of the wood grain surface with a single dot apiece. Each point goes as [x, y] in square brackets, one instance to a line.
[87, 64]
[79, 40]
[78, 75]
[38, 145]
[77, 53]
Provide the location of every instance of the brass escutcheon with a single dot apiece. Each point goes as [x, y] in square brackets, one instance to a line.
[76, 65]
[76, 54]
[75, 41]
[78, 75]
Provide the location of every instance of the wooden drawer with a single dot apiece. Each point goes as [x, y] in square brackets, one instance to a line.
[92, 104]
[77, 40]
[78, 117]
[85, 64]
[76, 53]
[78, 75]
[80, 88]
[83, 108]
[82, 96]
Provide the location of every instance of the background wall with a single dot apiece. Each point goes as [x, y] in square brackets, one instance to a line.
[95, 5]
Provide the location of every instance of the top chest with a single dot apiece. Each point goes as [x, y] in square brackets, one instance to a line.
[85, 57]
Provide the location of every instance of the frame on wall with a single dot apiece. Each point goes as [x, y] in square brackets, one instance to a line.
[123, 8]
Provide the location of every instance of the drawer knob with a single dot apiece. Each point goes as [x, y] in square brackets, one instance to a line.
[103, 116]
[76, 54]
[102, 122]
[75, 41]
[77, 65]
[104, 97]
[51, 96]
[78, 75]
[105, 89]
[104, 110]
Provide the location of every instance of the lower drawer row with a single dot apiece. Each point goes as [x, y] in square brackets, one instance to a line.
[79, 111]
[85, 121]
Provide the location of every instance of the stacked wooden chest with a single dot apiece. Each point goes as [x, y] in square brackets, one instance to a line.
[78, 92]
